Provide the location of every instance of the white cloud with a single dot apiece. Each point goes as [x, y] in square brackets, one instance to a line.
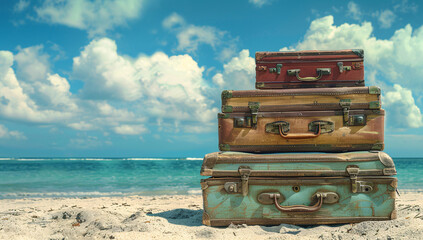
[259, 3]
[96, 17]
[173, 21]
[15, 104]
[406, 7]
[106, 74]
[162, 86]
[238, 73]
[82, 126]
[386, 18]
[120, 94]
[130, 129]
[45, 89]
[21, 6]
[6, 134]
[33, 65]
[403, 111]
[190, 37]
[354, 11]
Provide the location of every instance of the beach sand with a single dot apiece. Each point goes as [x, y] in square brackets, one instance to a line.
[177, 217]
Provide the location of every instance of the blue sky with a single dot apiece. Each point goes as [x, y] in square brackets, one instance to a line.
[143, 78]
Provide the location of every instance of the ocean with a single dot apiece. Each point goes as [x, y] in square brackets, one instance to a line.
[96, 177]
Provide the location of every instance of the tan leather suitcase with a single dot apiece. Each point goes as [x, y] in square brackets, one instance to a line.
[302, 120]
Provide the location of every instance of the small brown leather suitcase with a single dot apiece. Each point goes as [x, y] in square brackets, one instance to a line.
[309, 69]
[302, 120]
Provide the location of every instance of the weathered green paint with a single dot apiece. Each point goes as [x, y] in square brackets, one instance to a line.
[224, 147]
[222, 115]
[374, 105]
[227, 109]
[378, 146]
[374, 90]
[379, 203]
[226, 94]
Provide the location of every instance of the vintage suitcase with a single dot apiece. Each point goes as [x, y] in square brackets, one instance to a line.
[309, 69]
[305, 120]
[270, 189]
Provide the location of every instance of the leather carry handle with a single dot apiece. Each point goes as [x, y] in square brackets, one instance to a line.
[320, 72]
[300, 208]
[300, 135]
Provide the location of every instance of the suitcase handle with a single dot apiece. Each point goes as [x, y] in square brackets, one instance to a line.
[320, 71]
[300, 208]
[300, 135]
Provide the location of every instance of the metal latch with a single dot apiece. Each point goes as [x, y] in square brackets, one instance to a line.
[358, 186]
[357, 120]
[277, 69]
[325, 126]
[254, 106]
[274, 127]
[242, 122]
[231, 187]
[345, 105]
[245, 172]
[342, 67]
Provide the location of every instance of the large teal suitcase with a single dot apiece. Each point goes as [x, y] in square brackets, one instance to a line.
[270, 189]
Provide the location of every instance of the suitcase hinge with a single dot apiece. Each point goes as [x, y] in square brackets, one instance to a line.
[254, 107]
[357, 186]
[345, 105]
[245, 172]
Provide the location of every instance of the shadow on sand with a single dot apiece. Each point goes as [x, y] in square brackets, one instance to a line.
[181, 216]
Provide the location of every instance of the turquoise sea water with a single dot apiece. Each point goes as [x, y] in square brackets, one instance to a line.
[80, 177]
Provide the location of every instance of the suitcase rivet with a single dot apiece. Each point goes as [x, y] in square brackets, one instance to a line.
[296, 188]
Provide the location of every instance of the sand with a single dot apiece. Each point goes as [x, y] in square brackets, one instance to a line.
[177, 217]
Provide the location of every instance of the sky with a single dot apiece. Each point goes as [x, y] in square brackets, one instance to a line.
[142, 78]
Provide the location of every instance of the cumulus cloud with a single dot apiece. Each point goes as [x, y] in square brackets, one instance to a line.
[190, 36]
[120, 94]
[164, 86]
[238, 73]
[6, 134]
[156, 86]
[44, 88]
[96, 17]
[106, 74]
[403, 111]
[15, 103]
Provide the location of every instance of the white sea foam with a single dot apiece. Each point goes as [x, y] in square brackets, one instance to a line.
[193, 158]
[194, 192]
[96, 194]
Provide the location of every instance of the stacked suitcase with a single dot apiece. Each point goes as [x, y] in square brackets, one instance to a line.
[308, 101]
